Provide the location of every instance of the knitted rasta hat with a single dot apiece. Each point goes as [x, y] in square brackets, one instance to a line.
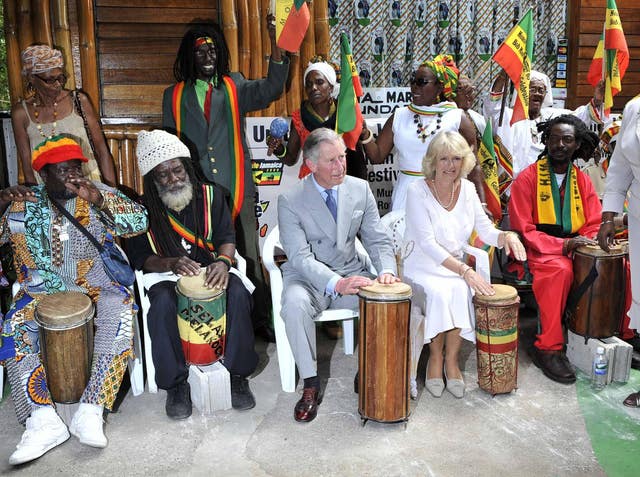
[157, 146]
[56, 149]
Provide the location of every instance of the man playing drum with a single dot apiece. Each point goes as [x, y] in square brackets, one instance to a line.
[52, 255]
[189, 228]
[319, 220]
[556, 209]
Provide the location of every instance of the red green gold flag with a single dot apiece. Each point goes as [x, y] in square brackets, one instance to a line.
[348, 114]
[611, 58]
[514, 55]
[489, 164]
[292, 21]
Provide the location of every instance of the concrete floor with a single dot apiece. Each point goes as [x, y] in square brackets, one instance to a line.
[537, 430]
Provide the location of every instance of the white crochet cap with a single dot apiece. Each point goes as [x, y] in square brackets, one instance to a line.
[157, 146]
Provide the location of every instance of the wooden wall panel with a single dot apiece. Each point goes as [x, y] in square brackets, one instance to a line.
[586, 19]
[137, 45]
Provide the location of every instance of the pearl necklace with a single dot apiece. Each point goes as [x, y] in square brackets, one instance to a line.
[421, 130]
[435, 190]
[36, 114]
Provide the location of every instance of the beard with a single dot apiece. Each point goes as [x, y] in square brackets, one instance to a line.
[176, 199]
[63, 194]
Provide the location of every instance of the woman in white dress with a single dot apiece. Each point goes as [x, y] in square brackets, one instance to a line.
[442, 211]
[411, 128]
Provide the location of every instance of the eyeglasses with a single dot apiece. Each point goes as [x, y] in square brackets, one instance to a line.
[62, 79]
[537, 90]
[566, 139]
[420, 81]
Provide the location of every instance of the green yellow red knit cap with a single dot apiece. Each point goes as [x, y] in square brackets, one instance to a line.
[56, 149]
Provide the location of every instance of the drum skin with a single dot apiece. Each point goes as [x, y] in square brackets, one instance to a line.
[202, 318]
[497, 339]
[384, 353]
[601, 307]
[65, 322]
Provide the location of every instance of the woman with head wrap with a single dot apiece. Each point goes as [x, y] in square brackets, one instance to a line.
[411, 128]
[522, 138]
[49, 109]
[318, 110]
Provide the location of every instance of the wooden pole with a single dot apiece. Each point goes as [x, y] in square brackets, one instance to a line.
[321, 28]
[88, 61]
[41, 22]
[14, 65]
[308, 48]
[244, 38]
[230, 30]
[265, 8]
[62, 38]
[23, 24]
[255, 20]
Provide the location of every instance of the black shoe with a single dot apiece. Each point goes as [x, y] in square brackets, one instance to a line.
[554, 365]
[241, 396]
[266, 333]
[635, 361]
[178, 405]
[635, 342]
[356, 383]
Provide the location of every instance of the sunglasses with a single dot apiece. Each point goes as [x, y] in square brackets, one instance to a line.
[420, 81]
[62, 79]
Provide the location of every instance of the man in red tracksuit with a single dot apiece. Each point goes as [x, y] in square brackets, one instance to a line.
[556, 209]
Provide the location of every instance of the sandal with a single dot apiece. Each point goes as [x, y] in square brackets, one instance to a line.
[633, 400]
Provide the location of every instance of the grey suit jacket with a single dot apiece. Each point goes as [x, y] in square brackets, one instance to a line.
[317, 247]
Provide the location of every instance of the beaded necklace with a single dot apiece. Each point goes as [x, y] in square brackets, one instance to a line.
[435, 190]
[421, 130]
[36, 114]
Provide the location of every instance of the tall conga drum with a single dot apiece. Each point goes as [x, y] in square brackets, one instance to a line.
[202, 319]
[497, 339]
[384, 352]
[65, 320]
[596, 301]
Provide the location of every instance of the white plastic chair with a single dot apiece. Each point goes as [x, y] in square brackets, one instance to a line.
[286, 362]
[144, 281]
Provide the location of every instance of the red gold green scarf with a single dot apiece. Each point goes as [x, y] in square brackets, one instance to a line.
[570, 214]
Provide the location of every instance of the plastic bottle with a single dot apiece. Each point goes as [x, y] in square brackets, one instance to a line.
[600, 370]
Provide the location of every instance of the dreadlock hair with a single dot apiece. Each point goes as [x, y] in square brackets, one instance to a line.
[184, 68]
[587, 140]
[165, 238]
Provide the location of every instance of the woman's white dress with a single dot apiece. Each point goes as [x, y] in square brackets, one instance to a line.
[433, 234]
[409, 148]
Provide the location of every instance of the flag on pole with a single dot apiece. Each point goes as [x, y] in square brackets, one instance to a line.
[488, 162]
[514, 55]
[292, 21]
[611, 58]
[348, 114]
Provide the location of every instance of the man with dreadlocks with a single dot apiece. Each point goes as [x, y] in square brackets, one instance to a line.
[206, 109]
[189, 227]
[556, 209]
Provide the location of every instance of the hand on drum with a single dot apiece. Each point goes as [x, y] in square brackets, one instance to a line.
[185, 266]
[606, 235]
[352, 285]
[573, 243]
[477, 283]
[217, 276]
[387, 278]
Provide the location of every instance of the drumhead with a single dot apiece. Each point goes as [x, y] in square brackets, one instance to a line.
[64, 310]
[391, 292]
[503, 293]
[616, 250]
[193, 287]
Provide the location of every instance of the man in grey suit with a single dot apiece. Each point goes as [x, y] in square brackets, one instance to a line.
[319, 219]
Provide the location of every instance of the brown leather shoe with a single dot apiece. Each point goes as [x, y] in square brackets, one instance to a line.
[554, 365]
[307, 407]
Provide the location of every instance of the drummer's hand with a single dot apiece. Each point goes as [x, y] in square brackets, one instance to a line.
[17, 193]
[388, 278]
[606, 235]
[573, 243]
[217, 276]
[352, 285]
[478, 284]
[185, 266]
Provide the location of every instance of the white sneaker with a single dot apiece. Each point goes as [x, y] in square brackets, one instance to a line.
[45, 430]
[87, 425]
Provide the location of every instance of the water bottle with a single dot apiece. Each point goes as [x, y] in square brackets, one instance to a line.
[600, 370]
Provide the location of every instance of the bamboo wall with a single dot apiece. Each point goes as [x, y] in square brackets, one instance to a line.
[584, 36]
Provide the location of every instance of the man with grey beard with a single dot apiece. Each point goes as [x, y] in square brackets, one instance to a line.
[189, 228]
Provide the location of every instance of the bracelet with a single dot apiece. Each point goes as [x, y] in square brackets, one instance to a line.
[465, 272]
[281, 155]
[369, 138]
[607, 222]
[228, 261]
